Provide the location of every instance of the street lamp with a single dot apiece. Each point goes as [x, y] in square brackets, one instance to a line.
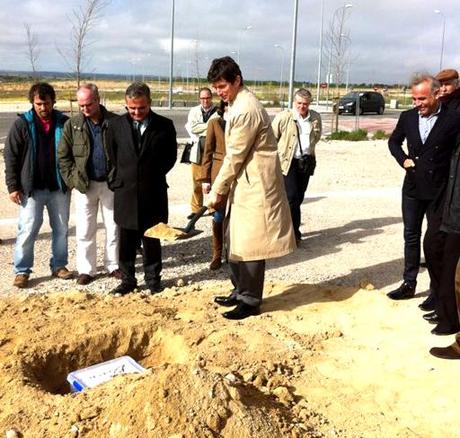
[293, 50]
[346, 37]
[320, 55]
[171, 59]
[278, 46]
[437, 11]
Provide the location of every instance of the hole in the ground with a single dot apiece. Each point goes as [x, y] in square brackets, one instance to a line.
[146, 344]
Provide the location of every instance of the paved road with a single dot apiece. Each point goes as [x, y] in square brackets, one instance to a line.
[368, 121]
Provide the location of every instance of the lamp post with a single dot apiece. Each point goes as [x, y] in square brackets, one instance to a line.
[346, 37]
[437, 11]
[171, 58]
[320, 54]
[293, 49]
[278, 46]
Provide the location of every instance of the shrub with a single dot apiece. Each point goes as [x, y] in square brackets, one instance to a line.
[380, 135]
[358, 135]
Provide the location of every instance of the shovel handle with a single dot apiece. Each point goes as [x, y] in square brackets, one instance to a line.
[191, 225]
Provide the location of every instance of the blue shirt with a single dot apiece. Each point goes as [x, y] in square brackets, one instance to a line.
[97, 167]
[425, 124]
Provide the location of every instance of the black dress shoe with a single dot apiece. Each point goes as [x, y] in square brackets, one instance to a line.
[403, 292]
[445, 352]
[431, 317]
[241, 311]
[441, 330]
[156, 288]
[226, 301]
[429, 304]
[123, 289]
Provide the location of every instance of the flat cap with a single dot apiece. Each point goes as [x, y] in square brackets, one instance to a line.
[447, 75]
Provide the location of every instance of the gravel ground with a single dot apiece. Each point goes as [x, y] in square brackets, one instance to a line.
[352, 230]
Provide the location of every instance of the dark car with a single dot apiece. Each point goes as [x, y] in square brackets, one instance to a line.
[369, 102]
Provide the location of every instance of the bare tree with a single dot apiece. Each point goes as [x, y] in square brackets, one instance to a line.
[338, 44]
[82, 21]
[32, 50]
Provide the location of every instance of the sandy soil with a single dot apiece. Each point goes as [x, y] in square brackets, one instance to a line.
[329, 356]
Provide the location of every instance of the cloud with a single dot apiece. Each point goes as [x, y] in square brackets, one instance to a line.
[389, 40]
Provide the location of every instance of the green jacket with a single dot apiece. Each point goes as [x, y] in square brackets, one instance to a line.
[74, 150]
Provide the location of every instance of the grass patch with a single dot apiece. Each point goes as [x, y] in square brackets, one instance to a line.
[358, 135]
[380, 135]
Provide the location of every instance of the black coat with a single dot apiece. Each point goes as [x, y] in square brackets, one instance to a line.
[451, 215]
[453, 101]
[428, 177]
[139, 178]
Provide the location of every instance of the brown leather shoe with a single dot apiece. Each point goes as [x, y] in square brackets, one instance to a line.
[63, 273]
[445, 352]
[21, 281]
[84, 279]
[116, 274]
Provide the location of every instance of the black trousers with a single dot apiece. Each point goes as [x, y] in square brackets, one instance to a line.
[442, 252]
[296, 183]
[129, 242]
[413, 212]
[248, 281]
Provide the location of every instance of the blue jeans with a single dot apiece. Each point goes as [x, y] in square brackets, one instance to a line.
[57, 204]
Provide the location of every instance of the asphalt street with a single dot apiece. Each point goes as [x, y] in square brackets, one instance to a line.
[179, 117]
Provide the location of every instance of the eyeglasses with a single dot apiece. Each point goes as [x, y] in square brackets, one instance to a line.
[205, 98]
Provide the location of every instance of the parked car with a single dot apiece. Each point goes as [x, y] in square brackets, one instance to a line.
[369, 102]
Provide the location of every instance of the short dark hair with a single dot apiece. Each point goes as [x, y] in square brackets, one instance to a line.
[138, 89]
[42, 90]
[224, 68]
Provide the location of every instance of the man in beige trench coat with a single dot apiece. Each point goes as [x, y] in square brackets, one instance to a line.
[259, 225]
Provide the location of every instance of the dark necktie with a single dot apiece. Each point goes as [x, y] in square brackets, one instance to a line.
[137, 129]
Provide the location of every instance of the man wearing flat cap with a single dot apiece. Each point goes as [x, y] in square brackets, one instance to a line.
[449, 93]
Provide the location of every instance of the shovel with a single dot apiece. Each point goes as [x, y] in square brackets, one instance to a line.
[165, 232]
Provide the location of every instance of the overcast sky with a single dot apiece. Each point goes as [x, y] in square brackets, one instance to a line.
[390, 39]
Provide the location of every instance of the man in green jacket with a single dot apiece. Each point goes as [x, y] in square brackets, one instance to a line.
[84, 166]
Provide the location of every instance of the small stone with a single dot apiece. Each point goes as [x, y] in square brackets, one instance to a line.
[12, 433]
[258, 382]
[180, 282]
[230, 377]
[234, 393]
[283, 394]
[74, 431]
[88, 413]
[213, 421]
[248, 377]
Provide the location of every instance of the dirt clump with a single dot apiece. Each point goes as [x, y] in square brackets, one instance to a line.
[189, 390]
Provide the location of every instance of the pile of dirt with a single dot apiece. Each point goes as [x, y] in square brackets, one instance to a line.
[191, 388]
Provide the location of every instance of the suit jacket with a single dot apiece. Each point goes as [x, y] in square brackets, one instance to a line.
[428, 177]
[139, 177]
[214, 150]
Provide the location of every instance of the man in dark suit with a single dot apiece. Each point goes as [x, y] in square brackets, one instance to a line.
[143, 148]
[430, 131]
